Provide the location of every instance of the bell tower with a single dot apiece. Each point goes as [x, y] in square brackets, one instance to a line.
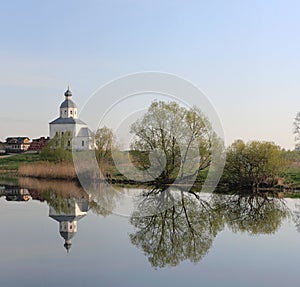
[68, 108]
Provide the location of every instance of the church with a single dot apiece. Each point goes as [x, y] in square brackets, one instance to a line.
[68, 122]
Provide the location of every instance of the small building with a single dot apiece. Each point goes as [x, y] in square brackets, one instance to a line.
[17, 144]
[38, 144]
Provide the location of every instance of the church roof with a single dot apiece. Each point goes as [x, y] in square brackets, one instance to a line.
[68, 104]
[67, 235]
[70, 120]
[84, 132]
[69, 218]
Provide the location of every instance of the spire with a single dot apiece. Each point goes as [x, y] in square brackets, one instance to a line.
[68, 93]
[68, 245]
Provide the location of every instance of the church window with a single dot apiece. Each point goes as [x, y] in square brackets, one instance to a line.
[71, 112]
[82, 143]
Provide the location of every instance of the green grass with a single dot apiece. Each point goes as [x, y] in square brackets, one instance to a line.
[12, 163]
[292, 195]
[293, 176]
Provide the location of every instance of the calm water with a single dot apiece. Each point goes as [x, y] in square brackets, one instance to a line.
[55, 234]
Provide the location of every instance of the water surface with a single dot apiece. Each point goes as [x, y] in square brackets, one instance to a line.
[55, 234]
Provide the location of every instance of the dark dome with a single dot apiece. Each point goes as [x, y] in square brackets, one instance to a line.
[67, 235]
[68, 245]
[68, 93]
[68, 104]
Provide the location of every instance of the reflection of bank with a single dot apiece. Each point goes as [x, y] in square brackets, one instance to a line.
[74, 210]
[14, 193]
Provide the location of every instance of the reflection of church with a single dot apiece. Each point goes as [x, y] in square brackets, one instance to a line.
[68, 217]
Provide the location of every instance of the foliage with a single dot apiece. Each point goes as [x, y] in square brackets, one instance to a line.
[297, 130]
[291, 155]
[58, 149]
[104, 143]
[176, 141]
[253, 164]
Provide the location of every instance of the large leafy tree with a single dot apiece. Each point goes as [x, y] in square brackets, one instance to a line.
[252, 164]
[179, 140]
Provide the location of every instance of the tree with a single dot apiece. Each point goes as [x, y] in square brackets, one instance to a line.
[297, 130]
[253, 164]
[103, 141]
[58, 148]
[174, 140]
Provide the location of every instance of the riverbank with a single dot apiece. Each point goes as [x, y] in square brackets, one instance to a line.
[30, 165]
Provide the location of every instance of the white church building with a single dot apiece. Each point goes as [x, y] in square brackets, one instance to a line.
[68, 122]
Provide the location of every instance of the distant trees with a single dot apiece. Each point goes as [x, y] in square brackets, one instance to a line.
[252, 164]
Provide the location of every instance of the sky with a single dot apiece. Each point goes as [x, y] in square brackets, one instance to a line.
[243, 55]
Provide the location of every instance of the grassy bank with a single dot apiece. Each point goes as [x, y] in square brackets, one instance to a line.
[10, 164]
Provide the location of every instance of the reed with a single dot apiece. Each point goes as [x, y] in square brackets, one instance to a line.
[48, 170]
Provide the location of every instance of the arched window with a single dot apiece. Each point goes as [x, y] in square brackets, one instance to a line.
[82, 143]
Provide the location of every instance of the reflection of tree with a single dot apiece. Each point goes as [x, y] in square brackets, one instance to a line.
[183, 231]
[296, 217]
[254, 214]
[172, 226]
[103, 198]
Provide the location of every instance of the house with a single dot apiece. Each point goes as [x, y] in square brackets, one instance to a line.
[69, 123]
[38, 144]
[17, 144]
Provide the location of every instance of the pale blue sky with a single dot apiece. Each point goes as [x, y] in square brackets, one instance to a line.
[244, 55]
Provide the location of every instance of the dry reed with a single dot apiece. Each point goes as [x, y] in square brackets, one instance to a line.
[48, 170]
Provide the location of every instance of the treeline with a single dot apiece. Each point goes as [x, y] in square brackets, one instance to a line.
[176, 145]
